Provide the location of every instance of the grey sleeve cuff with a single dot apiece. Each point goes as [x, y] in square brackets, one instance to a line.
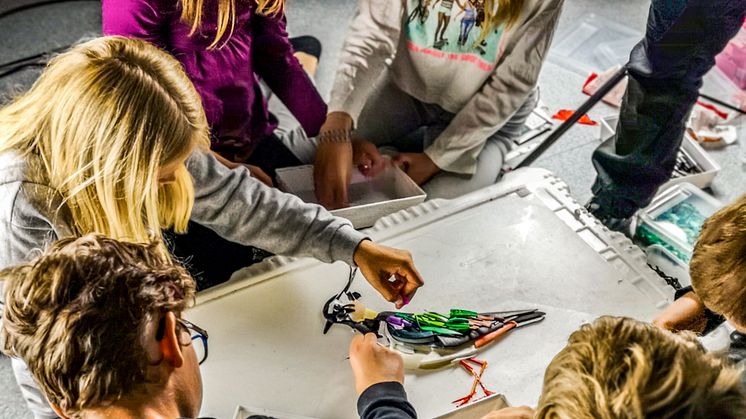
[344, 243]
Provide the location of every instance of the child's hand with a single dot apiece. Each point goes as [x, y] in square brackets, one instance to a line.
[372, 363]
[418, 166]
[686, 313]
[367, 158]
[380, 263]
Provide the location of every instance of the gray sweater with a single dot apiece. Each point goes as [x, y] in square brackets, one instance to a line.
[230, 202]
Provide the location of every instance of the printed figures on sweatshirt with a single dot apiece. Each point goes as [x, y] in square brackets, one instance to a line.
[453, 27]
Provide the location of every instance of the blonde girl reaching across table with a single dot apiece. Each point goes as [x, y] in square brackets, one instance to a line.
[112, 139]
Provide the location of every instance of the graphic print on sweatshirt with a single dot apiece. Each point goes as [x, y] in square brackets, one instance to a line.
[451, 29]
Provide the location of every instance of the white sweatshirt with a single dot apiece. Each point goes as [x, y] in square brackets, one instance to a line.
[484, 85]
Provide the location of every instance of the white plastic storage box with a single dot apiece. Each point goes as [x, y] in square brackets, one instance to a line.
[710, 168]
[674, 218]
[369, 198]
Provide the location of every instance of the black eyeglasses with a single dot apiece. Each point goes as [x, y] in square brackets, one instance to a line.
[199, 338]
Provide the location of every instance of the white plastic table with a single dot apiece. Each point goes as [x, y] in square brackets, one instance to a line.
[518, 244]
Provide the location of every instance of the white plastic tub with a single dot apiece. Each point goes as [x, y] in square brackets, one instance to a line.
[674, 218]
[370, 198]
[710, 168]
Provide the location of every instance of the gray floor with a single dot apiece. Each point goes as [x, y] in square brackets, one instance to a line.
[59, 25]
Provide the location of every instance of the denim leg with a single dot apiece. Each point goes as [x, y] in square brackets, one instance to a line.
[666, 70]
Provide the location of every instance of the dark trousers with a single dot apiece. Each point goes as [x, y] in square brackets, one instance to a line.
[212, 259]
[666, 69]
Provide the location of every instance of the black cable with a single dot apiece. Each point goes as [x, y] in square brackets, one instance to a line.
[582, 110]
[21, 67]
[23, 63]
[30, 6]
[721, 103]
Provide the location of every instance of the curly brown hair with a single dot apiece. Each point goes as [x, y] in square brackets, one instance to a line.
[620, 368]
[75, 316]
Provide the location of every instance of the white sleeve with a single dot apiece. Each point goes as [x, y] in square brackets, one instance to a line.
[370, 45]
[458, 146]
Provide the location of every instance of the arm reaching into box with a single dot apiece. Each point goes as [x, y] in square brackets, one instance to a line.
[244, 210]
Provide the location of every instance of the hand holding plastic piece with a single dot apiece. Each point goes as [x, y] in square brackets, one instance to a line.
[372, 363]
[418, 166]
[332, 169]
[368, 159]
[686, 313]
[390, 271]
[522, 412]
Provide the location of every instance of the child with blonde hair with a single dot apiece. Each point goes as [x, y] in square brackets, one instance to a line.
[112, 139]
[613, 368]
[718, 273]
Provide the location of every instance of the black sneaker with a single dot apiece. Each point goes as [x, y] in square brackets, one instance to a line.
[611, 221]
[308, 44]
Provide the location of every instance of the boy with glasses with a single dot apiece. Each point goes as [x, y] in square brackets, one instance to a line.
[99, 324]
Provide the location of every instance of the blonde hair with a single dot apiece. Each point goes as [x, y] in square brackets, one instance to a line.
[498, 13]
[76, 314]
[618, 368]
[192, 12]
[718, 265]
[103, 118]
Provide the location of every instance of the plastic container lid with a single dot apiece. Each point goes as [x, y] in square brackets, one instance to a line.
[595, 44]
[675, 218]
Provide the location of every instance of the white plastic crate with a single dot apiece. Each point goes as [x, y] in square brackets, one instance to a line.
[710, 167]
[369, 198]
[674, 218]
[523, 242]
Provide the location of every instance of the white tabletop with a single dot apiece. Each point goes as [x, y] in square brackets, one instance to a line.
[487, 251]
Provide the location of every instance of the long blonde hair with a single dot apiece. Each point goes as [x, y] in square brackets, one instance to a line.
[103, 118]
[498, 13]
[192, 12]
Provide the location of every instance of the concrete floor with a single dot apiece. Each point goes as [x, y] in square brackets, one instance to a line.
[58, 25]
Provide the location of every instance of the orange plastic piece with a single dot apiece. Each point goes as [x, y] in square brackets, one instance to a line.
[565, 114]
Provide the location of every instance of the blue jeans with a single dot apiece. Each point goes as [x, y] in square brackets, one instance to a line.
[666, 69]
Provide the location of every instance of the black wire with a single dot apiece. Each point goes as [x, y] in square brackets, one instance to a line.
[723, 104]
[21, 67]
[353, 272]
[30, 6]
[670, 280]
[22, 63]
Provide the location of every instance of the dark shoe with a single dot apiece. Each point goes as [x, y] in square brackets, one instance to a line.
[613, 222]
[307, 44]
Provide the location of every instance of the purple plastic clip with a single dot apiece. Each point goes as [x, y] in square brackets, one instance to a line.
[397, 322]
